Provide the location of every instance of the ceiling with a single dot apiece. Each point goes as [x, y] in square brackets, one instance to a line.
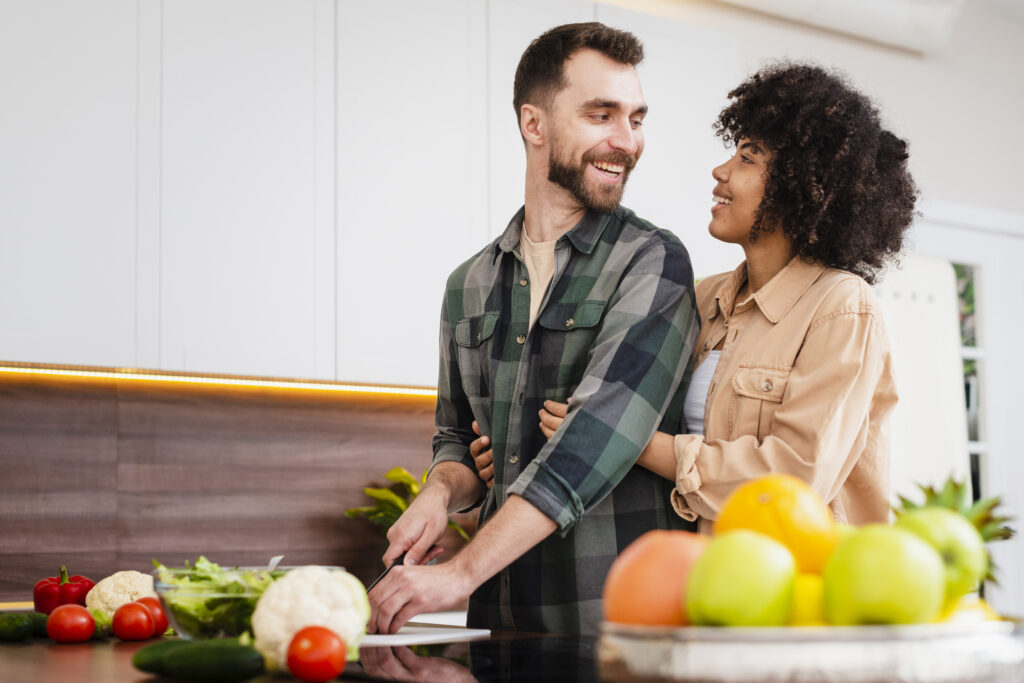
[918, 25]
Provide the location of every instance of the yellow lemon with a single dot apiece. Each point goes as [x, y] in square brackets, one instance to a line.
[808, 601]
[970, 609]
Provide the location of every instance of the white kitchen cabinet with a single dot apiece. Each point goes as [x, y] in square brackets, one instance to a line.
[671, 185]
[67, 181]
[411, 183]
[278, 187]
[512, 25]
[241, 162]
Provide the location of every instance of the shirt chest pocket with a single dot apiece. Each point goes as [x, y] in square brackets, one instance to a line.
[757, 394]
[473, 342]
[569, 331]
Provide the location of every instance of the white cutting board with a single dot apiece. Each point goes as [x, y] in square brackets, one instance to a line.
[424, 634]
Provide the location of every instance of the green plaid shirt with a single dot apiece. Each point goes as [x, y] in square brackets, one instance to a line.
[614, 333]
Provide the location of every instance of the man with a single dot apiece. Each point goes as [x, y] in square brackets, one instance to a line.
[577, 299]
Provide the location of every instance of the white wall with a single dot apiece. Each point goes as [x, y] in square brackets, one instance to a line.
[959, 109]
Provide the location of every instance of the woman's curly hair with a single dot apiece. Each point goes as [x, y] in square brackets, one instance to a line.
[837, 183]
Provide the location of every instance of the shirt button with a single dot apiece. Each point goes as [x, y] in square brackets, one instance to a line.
[570, 322]
[711, 389]
[523, 282]
[707, 346]
[521, 339]
[766, 385]
[514, 459]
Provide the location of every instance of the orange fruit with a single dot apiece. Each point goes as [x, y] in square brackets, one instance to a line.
[647, 581]
[787, 509]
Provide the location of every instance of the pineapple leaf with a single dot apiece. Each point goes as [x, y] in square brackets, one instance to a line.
[906, 505]
[955, 495]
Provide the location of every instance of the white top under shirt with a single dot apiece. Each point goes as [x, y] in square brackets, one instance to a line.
[697, 393]
[539, 258]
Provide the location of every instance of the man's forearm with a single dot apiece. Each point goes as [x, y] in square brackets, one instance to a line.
[460, 486]
[514, 529]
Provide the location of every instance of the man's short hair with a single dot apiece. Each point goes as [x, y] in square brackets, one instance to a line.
[541, 71]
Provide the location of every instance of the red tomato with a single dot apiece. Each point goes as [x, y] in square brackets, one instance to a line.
[133, 621]
[70, 624]
[156, 610]
[316, 654]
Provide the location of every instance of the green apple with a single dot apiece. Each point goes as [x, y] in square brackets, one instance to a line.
[882, 574]
[959, 545]
[845, 530]
[742, 578]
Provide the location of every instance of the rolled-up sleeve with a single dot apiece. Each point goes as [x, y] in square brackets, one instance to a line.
[634, 367]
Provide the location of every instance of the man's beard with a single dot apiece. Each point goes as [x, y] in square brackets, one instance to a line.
[572, 177]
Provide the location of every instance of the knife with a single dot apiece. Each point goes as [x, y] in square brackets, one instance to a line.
[399, 560]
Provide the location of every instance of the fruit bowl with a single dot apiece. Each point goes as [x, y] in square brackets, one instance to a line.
[950, 652]
[199, 606]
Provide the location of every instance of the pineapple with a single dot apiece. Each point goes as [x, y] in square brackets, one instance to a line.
[982, 514]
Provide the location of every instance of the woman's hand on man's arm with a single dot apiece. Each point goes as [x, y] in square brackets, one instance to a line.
[551, 417]
[483, 456]
[659, 456]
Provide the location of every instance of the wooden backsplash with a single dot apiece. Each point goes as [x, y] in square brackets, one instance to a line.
[104, 475]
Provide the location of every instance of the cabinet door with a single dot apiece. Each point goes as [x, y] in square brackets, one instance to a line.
[411, 188]
[672, 183]
[512, 25]
[67, 181]
[240, 167]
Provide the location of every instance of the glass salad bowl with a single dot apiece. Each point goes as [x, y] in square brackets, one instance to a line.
[206, 600]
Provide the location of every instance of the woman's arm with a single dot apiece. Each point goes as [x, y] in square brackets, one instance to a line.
[818, 432]
[840, 384]
[659, 456]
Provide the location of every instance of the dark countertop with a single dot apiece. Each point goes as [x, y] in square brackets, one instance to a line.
[502, 657]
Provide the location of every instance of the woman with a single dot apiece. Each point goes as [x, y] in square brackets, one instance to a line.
[792, 365]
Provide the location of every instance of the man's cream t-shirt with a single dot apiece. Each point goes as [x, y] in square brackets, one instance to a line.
[540, 266]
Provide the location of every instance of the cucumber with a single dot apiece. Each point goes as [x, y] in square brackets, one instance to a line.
[220, 659]
[15, 627]
[38, 621]
[151, 658]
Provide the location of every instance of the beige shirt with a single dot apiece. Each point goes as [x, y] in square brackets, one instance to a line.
[804, 386]
[539, 258]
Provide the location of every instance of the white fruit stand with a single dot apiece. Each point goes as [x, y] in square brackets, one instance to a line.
[982, 652]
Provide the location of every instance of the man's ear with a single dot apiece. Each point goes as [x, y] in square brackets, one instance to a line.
[532, 125]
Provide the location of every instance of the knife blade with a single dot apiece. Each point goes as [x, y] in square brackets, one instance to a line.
[398, 560]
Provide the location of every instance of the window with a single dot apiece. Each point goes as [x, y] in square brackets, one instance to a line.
[973, 355]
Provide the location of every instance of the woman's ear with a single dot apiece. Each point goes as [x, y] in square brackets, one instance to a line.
[532, 125]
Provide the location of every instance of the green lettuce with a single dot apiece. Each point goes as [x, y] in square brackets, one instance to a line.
[205, 600]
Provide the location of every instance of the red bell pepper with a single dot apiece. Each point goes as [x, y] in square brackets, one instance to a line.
[54, 591]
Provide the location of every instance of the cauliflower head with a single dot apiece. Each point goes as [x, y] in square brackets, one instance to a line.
[119, 589]
[309, 596]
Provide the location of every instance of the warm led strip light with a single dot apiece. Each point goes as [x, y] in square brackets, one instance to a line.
[223, 381]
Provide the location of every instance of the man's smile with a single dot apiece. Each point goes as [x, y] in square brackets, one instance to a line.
[610, 169]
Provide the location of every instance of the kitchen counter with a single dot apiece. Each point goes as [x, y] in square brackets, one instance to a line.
[501, 657]
[537, 657]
